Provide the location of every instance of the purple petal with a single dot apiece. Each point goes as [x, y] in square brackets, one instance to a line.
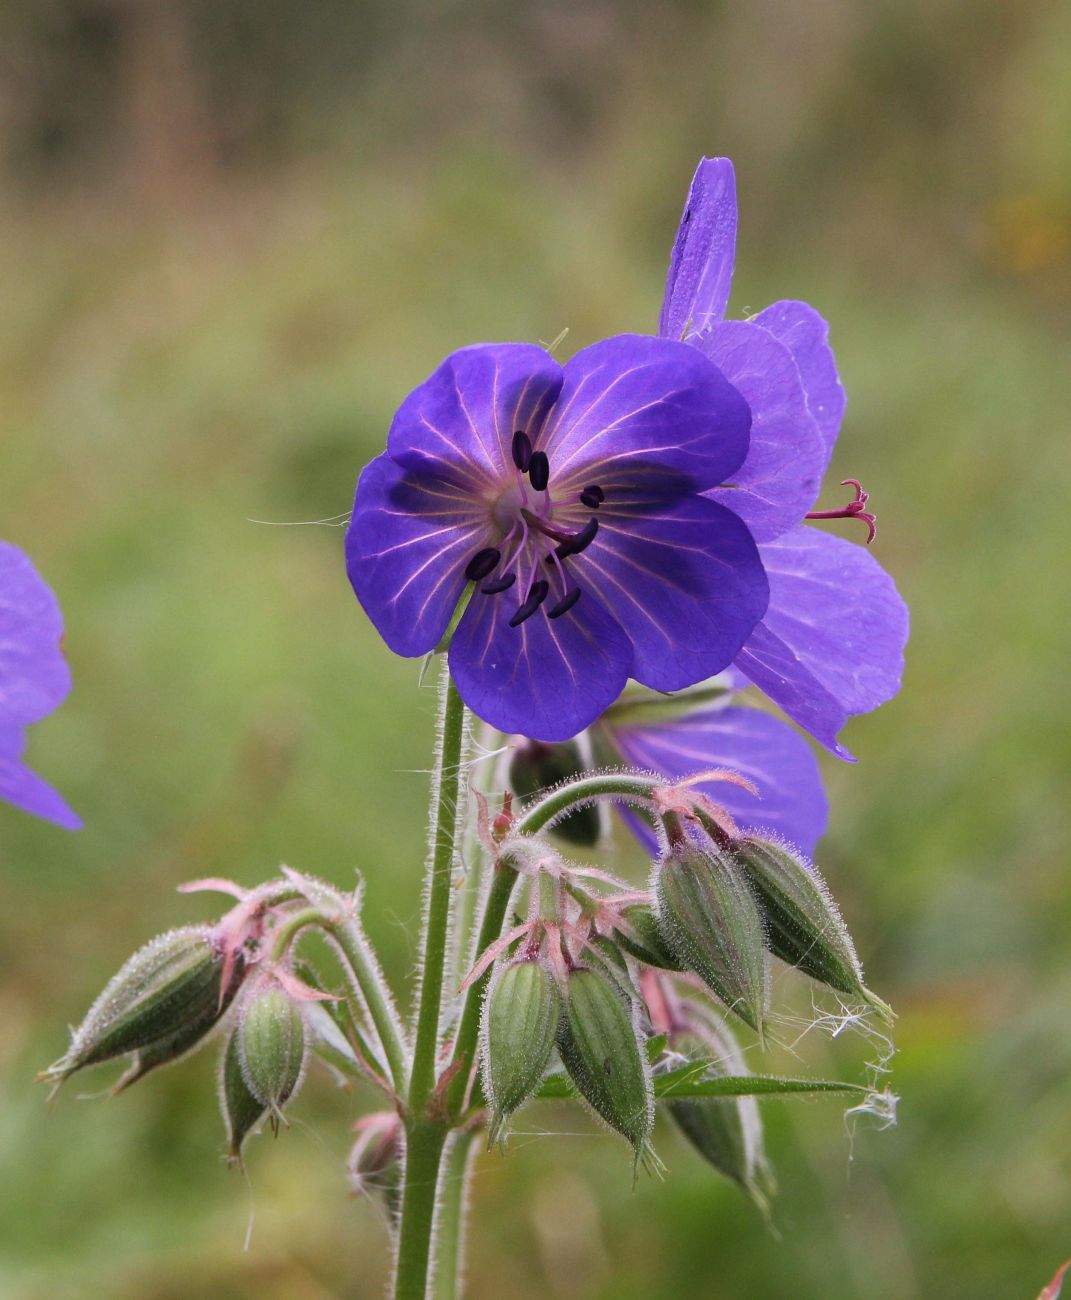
[806, 335]
[548, 678]
[34, 677]
[774, 668]
[408, 543]
[831, 643]
[26, 790]
[685, 581]
[459, 424]
[647, 414]
[791, 801]
[701, 264]
[779, 481]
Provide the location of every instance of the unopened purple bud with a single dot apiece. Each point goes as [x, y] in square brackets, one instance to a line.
[711, 920]
[165, 999]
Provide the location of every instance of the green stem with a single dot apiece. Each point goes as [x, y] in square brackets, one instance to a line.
[423, 1152]
[451, 728]
[625, 787]
[450, 1226]
[350, 942]
[494, 915]
[426, 1132]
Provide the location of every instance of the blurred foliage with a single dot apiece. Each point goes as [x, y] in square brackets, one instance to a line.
[232, 236]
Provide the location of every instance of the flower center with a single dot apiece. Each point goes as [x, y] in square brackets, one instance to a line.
[539, 537]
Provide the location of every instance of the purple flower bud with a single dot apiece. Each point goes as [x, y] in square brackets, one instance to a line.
[166, 998]
[712, 923]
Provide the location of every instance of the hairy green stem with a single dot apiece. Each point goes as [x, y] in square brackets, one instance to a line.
[450, 1225]
[426, 1130]
[625, 787]
[445, 789]
[350, 941]
[494, 915]
[355, 951]
[423, 1153]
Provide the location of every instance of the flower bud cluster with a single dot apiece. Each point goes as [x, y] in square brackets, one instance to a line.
[611, 984]
[237, 975]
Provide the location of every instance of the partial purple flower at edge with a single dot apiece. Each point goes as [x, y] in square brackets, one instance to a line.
[791, 801]
[831, 642]
[34, 680]
[569, 500]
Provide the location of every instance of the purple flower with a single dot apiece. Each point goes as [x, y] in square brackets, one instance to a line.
[677, 740]
[831, 642]
[569, 505]
[34, 680]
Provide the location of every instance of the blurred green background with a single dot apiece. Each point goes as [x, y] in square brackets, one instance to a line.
[233, 234]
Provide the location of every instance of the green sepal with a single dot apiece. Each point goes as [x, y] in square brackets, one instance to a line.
[803, 924]
[647, 944]
[711, 921]
[165, 998]
[242, 1111]
[520, 1021]
[600, 1049]
[272, 1046]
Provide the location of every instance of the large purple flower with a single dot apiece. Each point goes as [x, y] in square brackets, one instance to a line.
[567, 505]
[34, 680]
[831, 642]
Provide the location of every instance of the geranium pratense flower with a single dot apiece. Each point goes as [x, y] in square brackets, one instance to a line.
[34, 680]
[702, 730]
[566, 503]
[830, 645]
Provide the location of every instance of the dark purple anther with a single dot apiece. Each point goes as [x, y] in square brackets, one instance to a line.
[580, 542]
[565, 604]
[500, 584]
[536, 597]
[592, 497]
[522, 450]
[539, 470]
[482, 563]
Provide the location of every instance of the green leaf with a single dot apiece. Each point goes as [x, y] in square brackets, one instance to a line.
[688, 1081]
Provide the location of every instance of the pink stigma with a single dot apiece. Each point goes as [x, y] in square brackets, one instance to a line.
[855, 509]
